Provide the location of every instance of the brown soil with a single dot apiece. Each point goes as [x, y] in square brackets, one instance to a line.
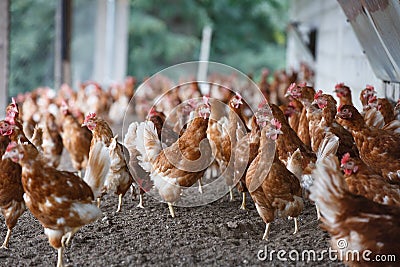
[217, 234]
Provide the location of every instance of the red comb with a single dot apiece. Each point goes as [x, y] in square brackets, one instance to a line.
[262, 104]
[370, 87]
[318, 95]
[276, 123]
[238, 96]
[291, 87]
[339, 85]
[11, 146]
[303, 84]
[339, 108]
[152, 111]
[345, 159]
[90, 116]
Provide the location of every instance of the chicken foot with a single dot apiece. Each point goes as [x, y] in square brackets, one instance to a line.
[296, 227]
[171, 209]
[243, 206]
[60, 259]
[68, 236]
[5, 243]
[231, 198]
[119, 203]
[200, 187]
[318, 212]
[140, 205]
[266, 232]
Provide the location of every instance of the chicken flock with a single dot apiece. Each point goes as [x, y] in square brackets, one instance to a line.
[299, 144]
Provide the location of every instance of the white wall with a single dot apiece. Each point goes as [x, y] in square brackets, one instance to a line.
[339, 56]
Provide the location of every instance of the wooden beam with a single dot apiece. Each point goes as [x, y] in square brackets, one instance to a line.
[4, 53]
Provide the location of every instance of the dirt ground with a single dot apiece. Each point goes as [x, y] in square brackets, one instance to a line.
[217, 234]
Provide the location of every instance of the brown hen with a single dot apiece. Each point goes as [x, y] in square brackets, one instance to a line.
[362, 223]
[378, 148]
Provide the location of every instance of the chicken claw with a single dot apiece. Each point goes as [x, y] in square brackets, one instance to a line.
[318, 212]
[243, 206]
[231, 198]
[266, 232]
[140, 205]
[5, 243]
[60, 260]
[296, 227]
[69, 236]
[171, 209]
[200, 187]
[119, 202]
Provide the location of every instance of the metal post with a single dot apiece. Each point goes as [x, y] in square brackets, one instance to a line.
[62, 71]
[4, 53]
[204, 56]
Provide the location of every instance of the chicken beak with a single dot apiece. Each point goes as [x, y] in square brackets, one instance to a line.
[84, 124]
[288, 94]
[6, 156]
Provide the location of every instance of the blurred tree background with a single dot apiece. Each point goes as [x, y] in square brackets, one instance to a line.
[31, 44]
[247, 35]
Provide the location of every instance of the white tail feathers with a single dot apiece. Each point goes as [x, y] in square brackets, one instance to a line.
[393, 126]
[97, 168]
[130, 137]
[147, 143]
[328, 146]
[328, 187]
[373, 118]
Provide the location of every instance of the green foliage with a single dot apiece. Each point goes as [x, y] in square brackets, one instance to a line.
[247, 34]
[31, 44]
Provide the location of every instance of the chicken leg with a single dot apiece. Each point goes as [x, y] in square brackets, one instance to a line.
[5, 243]
[119, 202]
[60, 260]
[200, 187]
[318, 212]
[266, 232]
[296, 228]
[68, 236]
[231, 198]
[171, 209]
[140, 205]
[243, 206]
